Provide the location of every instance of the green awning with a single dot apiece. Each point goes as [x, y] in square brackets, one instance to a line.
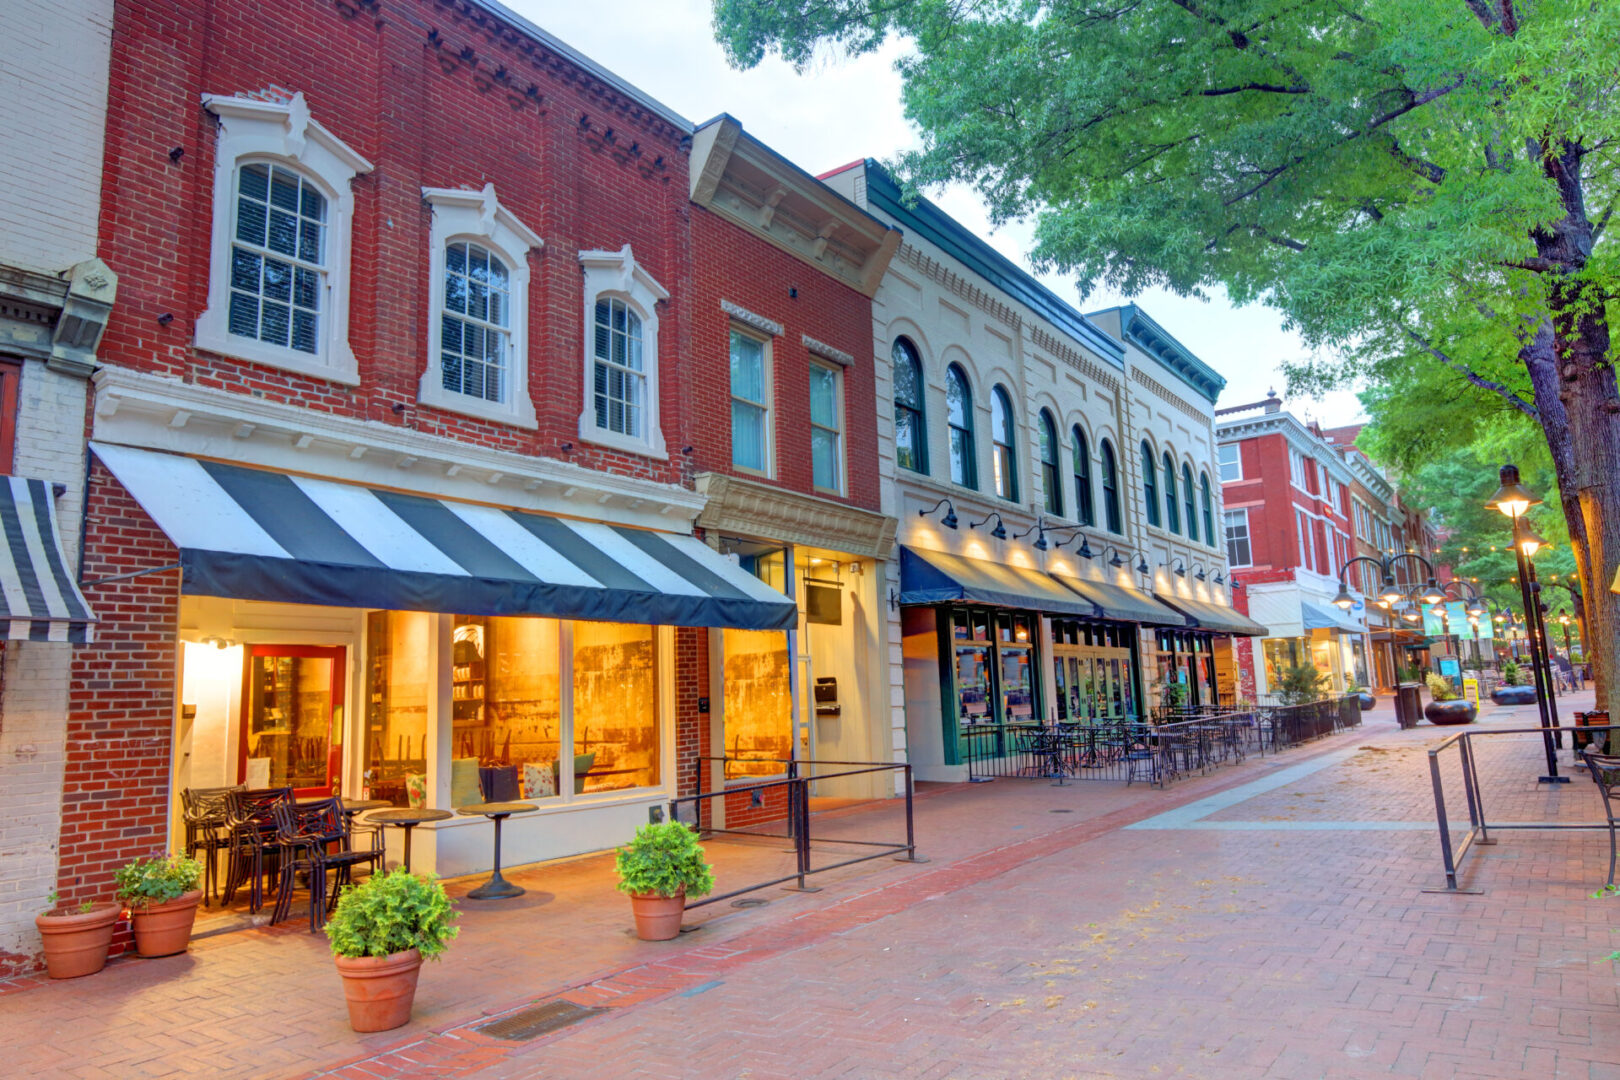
[1123, 602]
[1217, 617]
[933, 577]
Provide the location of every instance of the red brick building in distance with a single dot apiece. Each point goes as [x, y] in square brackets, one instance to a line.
[464, 409]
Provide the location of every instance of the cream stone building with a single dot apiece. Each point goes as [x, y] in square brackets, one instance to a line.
[1031, 584]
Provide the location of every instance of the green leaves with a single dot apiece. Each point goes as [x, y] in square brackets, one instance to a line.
[392, 912]
[663, 860]
[157, 880]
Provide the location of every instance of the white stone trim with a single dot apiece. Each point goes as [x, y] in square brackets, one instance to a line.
[748, 318]
[478, 216]
[617, 274]
[283, 132]
[827, 352]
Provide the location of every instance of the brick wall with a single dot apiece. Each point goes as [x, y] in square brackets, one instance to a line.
[434, 94]
[115, 786]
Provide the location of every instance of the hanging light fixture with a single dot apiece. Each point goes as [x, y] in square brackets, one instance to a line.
[1511, 498]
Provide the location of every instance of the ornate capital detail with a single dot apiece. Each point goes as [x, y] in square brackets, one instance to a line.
[751, 508]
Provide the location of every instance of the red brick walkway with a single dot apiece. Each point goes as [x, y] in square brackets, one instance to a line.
[1258, 941]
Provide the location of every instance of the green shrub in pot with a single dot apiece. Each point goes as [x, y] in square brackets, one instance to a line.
[390, 913]
[148, 882]
[659, 869]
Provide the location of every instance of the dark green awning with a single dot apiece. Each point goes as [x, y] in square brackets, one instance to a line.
[1123, 602]
[1217, 617]
[933, 577]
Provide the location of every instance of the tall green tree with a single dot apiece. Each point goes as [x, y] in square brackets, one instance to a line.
[1419, 181]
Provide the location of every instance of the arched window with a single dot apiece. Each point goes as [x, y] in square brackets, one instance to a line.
[1172, 513]
[1083, 508]
[278, 258]
[1187, 497]
[475, 326]
[1110, 487]
[1209, 510]
[1049, 465]
[959, 415]
[910, 433]
[1004, 461]
[1150, 484]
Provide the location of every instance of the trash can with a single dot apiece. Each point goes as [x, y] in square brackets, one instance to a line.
[1408, 704]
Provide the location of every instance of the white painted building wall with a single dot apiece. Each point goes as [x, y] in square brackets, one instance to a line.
[53, 80]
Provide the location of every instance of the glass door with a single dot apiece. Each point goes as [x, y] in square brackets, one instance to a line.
[292, 718]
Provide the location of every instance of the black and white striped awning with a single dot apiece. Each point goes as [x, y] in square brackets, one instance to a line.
[251, 534]
[39, 600]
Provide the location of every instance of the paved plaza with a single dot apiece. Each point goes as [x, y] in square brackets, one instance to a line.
[1266, 920]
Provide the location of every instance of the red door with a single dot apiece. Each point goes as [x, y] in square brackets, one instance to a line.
[292, 718]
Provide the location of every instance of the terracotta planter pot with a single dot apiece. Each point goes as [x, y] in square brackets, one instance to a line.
[380, 989]
[165, 929]
[77, 944]
[658, 918]
[1446, 713]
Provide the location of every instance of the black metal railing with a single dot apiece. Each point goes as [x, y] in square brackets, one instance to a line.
[1290, 725]
[791, 794]
[1478, 832]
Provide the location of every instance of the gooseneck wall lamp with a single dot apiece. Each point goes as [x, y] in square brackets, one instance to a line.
[949, 520]
[999, 532]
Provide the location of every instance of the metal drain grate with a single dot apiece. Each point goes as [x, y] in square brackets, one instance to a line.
[1060, 811]
[538, 1020]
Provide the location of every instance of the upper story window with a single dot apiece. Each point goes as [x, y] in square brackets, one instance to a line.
[1172, 513]
[621, 407]
[959, 416]
[1188, 496]
[1150, 484]
[1110, 486]
[1004, 461]
[750, 403]
[1050, 483]
[1237, 538]
[477, 361]
[827, 427]
[278, 285]
[1231, 458]
[1084, 509]
[1296, 469]
[910, 430]
[1209, 509]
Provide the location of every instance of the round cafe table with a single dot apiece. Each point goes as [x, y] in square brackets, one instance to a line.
[497, 887]
[407, 818]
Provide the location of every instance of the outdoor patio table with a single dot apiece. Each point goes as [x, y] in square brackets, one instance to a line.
[407, 818]
[497, 887]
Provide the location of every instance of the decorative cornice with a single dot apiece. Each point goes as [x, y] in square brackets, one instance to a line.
[751, 508]
[748, 318]
[826, 351]
[1164, 392]
[1140, 330]
[946, 278]
[1076, 359]
[1298, 435]
[157, 413]
[59, 320]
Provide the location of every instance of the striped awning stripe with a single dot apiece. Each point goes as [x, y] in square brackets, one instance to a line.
[39, 600]
[252, 534]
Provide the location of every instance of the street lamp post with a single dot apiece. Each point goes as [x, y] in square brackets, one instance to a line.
[1513, 500]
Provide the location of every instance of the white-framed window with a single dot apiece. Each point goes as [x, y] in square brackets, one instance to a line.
[1231, 458]
[278, 282]
[1238, 552]
[827, 427]
[1296, 468]
[479, 287]
[621, 354]
[750, 402]
[1307, 544]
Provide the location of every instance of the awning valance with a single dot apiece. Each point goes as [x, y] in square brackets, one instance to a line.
[1316, 617]
[252, 534]
[1123, 602]
[934, 577]
[39, 600]
[1217, 617]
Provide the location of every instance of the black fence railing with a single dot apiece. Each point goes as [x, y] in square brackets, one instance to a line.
[791, 795]
[1183, 744]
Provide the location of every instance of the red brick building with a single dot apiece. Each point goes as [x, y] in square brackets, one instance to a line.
[414, 420]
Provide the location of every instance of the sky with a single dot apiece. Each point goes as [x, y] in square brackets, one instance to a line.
[844, 109]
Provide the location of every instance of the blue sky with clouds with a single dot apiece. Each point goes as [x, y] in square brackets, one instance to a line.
[846, 109]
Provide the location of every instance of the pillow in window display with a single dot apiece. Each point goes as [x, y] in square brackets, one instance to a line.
[539, 781]
[416, 789]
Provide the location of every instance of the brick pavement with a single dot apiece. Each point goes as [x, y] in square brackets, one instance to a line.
[1035, 944]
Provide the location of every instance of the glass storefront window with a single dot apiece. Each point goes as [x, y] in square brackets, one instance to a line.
[1017, 685]
[615, 706]
[973, 684]
[758, 703]
[294, 705]
[398, 678]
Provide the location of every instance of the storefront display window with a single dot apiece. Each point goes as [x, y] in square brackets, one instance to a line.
[615, 706]
[294, 707]
[758, 703]
[1092, 672]
[399, 678]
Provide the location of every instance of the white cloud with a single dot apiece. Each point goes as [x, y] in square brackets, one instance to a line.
[841, 110]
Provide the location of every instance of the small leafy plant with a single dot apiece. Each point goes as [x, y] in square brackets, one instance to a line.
[390, 913]
[1511, 675]
[663, 860]
[1300, 684]
[1439, 688]
[157, 880]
